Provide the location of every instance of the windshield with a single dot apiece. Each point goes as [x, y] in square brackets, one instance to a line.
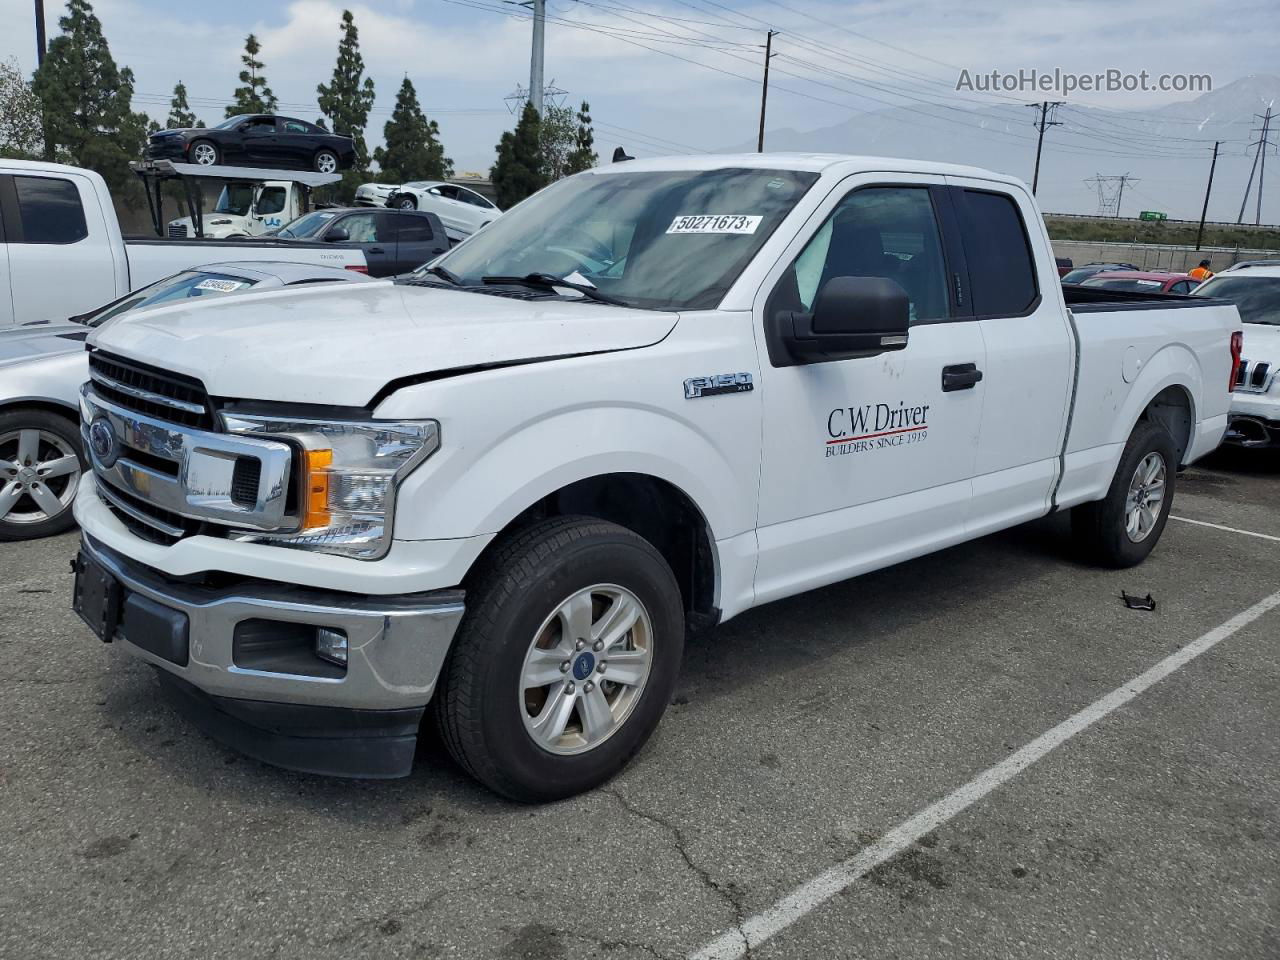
[182, 286]
[307, 225]
[235, 198]
[669, 240]
[1124, 283]
[1080, 274]
[1257, 298]
[228, 123]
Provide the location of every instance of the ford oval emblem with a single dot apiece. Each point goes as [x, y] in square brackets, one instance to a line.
[102, 437]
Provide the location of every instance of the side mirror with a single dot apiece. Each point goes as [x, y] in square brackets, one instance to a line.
[337, 235]
[852, 317]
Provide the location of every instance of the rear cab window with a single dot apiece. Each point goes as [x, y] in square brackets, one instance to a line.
[997, 250]
[48, 210]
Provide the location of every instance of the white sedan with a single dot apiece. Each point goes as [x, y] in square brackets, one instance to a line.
[375, 194]
[462, 211]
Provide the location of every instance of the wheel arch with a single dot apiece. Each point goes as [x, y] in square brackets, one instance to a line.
[47, 404]
[1165, 391]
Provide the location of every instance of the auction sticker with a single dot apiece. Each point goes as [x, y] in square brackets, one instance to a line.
[222, 286]
[715, 223]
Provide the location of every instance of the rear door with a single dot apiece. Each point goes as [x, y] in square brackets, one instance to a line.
[373, 232]
[867, 461]
[61, 256]
[418, 240]
[1013, 292]
[262, 141]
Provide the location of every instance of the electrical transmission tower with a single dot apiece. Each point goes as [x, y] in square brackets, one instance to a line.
[550, 94]
[1262, 143]
[1110, 192]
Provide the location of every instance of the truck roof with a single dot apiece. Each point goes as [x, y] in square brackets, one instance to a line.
[812, 162]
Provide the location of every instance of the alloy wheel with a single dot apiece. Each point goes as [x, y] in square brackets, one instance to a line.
[1146, 494]
[39, 473]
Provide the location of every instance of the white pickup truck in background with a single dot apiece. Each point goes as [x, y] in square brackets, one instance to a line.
[62, 253]
[655, 394]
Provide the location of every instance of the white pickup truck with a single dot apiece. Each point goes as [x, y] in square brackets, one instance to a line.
[652, 396]
[62, 253]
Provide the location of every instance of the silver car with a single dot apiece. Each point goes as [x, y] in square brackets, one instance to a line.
[42, 365]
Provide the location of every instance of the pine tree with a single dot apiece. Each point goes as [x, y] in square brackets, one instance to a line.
[88, 100]
[253, 95]
[518, 171]
[413, 150]
[347, 99]
[583, 156]
[180, 115]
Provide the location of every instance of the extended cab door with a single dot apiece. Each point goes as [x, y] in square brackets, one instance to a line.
[419, 238]
[867, 461]
[62, 255]
[1012, 291]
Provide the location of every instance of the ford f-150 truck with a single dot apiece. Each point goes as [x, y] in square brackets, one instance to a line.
[62, 253]
[650, 397]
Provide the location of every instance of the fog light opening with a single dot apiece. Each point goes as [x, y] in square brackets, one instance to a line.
[331, 645]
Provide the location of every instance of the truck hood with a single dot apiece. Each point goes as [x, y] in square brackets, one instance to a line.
[342, 346]
[35, 341]
[1261, 343]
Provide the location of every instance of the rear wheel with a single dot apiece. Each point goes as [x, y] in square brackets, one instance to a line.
[40, 467]
[204, 153]
[326, 161]
[1121, 529]
[565, 660]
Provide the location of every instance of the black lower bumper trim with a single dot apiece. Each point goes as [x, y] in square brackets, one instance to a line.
[330, 741]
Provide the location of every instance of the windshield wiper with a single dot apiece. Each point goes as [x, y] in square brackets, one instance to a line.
[549, 281]
[445, 274]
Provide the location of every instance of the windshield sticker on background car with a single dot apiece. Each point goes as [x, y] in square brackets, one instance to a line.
[875, 426]
[222, 286]
[715, 223]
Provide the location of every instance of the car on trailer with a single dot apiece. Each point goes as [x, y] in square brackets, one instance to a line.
[256, 140]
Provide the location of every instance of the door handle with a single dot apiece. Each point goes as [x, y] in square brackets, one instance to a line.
[376, 250]
[960, 376]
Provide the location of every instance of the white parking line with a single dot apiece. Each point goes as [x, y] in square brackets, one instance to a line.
[808, 896]
[1218, 526]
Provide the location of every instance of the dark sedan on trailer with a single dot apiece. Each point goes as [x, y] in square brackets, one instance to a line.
[256, 140]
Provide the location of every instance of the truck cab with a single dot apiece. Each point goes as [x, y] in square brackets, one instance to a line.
[247, 208]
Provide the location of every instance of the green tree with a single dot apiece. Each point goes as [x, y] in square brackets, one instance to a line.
[20, 134]
[519, 170]
[583, 156]
[180, 115]
[346, 100]
[413, 149]
[253, 95]
[556, 139]
[88, 100]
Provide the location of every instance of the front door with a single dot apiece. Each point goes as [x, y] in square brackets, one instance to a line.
[867, 461]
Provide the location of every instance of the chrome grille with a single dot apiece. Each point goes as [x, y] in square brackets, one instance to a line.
[177, 230]
[1255, 377]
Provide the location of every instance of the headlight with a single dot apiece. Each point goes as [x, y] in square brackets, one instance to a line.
[220, 222]
[347, 473]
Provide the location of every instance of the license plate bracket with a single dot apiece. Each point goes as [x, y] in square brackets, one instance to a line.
[97, 598]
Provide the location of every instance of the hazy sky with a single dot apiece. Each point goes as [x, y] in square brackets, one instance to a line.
[464, 59]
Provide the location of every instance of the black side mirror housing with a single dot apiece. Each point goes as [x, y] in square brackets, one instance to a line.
[852, 317]
[337, 235]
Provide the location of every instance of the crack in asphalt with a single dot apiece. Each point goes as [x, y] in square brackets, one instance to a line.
[728, 896]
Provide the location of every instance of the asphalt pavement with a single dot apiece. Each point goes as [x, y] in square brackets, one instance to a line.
[802, 734]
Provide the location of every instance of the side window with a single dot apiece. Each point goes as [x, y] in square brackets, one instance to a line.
[1002, 273]
[415, 230]
[874, 232]
[271, 200]
[449, 193]
[361, 228]
[50, 210]
[466, 196]
[296, 126]
[1182, 286]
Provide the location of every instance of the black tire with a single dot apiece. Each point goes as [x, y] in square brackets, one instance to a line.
[405, 201]
[67, 431]
[521, 583]
[1099, 528]
[192, 152]
[322, 155]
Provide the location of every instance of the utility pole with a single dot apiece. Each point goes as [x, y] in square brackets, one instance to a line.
[1262, 168]
[536, 56]
[1120, 194]
[1044, 107]
[1204, 211]
[1260, 154]
[764, 90]
[39, 33]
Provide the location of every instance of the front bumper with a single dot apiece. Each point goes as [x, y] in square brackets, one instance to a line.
[170, 148]
[238, 658]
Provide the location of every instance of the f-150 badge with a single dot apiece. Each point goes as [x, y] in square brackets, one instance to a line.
[696, 387]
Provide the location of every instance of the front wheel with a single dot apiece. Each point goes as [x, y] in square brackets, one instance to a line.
[40, 467]
[204, 153]
[1121, 529]
[326, 161]
[565, 661]
[406, 202]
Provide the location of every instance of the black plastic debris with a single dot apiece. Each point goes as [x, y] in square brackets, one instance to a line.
[1138, 603]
